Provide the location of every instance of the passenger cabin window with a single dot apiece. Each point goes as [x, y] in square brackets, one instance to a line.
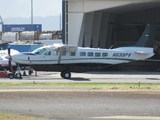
[73, 54]
[90, 54]
[82, 53]
[97, 54]
[54, 53]
[64, 53]
[104, 54]
[47, 53]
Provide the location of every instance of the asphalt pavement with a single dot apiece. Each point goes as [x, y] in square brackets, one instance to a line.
[90, 77]
[83, 103]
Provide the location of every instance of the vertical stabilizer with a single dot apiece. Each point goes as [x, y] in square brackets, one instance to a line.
[147, 38]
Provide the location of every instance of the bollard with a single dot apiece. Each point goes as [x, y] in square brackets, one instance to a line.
[35, 73]
[139, 84]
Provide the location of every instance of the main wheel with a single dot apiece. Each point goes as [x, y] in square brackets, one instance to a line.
[66, 74]
[18, 75]
[11, 76]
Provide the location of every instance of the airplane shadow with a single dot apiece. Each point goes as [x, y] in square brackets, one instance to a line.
[79, 79]
[124, 72]
[51, 78]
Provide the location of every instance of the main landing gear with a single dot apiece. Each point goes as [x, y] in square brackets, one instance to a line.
[66, 74]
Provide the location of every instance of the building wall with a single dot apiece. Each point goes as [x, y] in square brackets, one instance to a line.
[133, 23]
[86, 22]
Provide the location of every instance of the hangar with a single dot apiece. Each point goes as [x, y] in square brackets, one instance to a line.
[103, 23]
[106, 23]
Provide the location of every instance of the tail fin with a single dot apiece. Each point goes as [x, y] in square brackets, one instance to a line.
[147, 38]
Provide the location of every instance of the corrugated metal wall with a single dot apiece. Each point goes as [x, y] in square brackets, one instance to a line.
[132, 24]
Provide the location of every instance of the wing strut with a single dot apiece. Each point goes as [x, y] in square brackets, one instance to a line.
[63, 47]
[60, 55]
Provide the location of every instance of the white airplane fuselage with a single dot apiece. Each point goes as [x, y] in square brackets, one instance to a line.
[84, 55]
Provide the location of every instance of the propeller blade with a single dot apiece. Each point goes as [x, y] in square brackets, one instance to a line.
[9, 63]
[9, 51]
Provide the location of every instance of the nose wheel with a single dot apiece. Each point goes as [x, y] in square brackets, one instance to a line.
[18, 76]
[66, 74]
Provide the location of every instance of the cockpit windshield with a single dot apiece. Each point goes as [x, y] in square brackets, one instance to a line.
[39, 51]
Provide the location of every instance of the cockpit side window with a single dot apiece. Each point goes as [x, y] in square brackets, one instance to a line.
[47, 53]
[39, 51]
[54, 53]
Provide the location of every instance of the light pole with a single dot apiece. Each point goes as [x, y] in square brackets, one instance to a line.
[1, 22]
[31, 11]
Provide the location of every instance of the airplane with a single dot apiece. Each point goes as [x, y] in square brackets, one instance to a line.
[66, 58]
[4, 62]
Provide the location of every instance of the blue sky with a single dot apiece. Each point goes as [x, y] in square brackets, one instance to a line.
[22, 8]
[45, 12]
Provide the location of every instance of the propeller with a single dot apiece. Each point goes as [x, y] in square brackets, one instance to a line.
[9, 51]
[10, 58]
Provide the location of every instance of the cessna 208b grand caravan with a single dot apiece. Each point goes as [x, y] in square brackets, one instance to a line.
[67, 58]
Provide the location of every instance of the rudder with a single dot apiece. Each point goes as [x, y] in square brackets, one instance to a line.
[147, 37]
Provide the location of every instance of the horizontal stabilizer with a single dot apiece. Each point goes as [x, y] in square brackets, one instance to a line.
[141, 52]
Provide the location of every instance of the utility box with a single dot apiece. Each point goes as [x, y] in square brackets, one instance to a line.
[24, 47]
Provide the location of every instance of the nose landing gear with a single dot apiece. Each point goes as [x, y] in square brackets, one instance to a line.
[18, 75]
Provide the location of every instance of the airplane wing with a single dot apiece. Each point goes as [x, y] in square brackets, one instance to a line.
[64, 47]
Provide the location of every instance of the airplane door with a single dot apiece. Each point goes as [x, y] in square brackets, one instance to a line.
[47, 57]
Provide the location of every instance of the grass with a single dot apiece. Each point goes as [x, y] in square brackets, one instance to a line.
[93, 85]
[96, 86]
[9, 116]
